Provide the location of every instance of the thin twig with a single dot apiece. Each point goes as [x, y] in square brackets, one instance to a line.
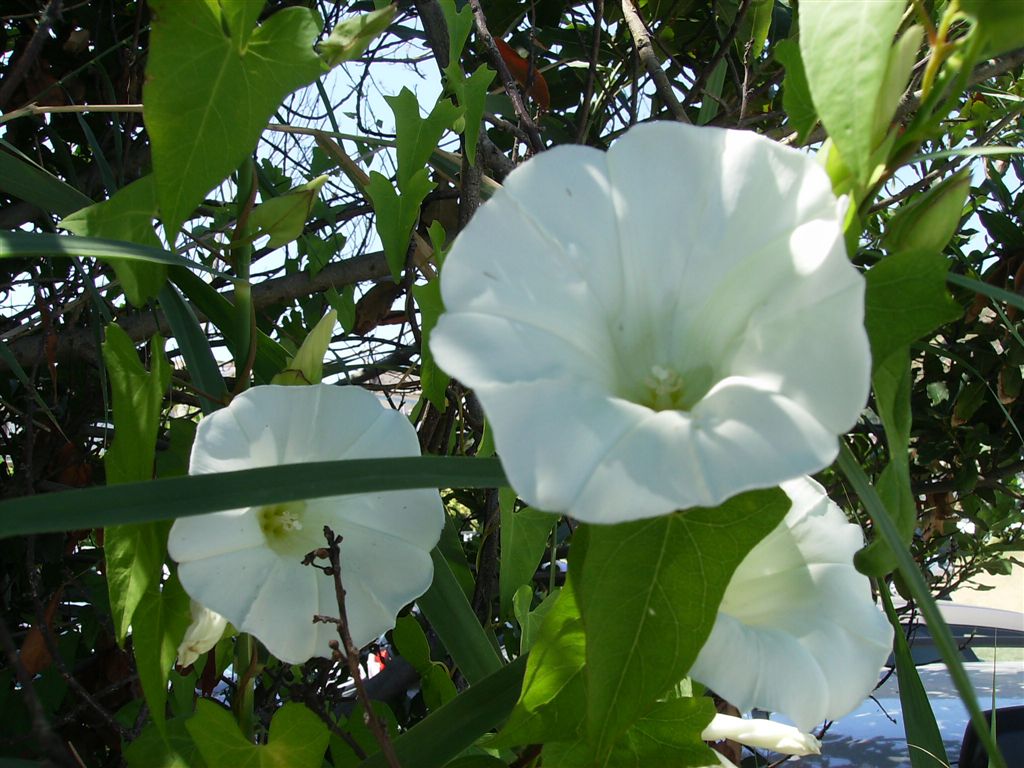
[723, 48]
[588, 94]
[536, 143]
[645, 50]
[333, 553]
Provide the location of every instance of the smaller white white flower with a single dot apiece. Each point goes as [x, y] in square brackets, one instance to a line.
[763, 734]
[246, 564]
[202, 634]
[797, 631]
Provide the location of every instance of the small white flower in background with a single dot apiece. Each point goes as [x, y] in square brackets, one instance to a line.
[246, 564]
[660, 326]
[202, 634]
[762, 734]
[797, 632]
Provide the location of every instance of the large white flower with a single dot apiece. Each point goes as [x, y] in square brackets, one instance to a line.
[797, 631]
[246, 564]
[660, 326]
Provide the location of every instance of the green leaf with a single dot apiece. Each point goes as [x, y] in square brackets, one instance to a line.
[411, 643]
[351, 37]
[417, 136]
[929, 220]
[524, 537]
[195, 348]
[134, 554]
[754, 27]
[709, 105]
[284, 217]
[796, 93]
[24, 244]
[649, 593]
[553, 702]
[241, 16]
[1000, 21]
[448, 610]
[471, 91]
[128, 215]
[906, 299]
[298, 738]
[307, 367]
[900, 67]
[201, 133]
[433, 380]
[173, 748]
[449, 731]
[170, 498]
[924, 741]
[530, 622]
[397, 214]
[668, 735]
[891, 383]
[845, 48]
[22, 178]
[159, 624]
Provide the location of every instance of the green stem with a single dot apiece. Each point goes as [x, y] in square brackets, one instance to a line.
[940, 633]
[241, 257]
[246, 660]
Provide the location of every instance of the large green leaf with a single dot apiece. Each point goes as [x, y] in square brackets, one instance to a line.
[553, 701]
[134, 553]
[1000, 21]
[158, 626]
[470, 92]
[668, 735]
[417, 136]
[649, 592]
[128, 215]
[284, 217]
[172, 748]
[524, 537]
[796, 93]
[845, 48]
[166, 499]
[206, 100]
[297, 739]
[906, 298]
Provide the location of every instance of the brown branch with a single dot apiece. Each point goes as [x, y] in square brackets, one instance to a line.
[333, 552]
[80, 344]
[31, 52]
[536, 143]
[723, 48]
[645, 50]
[588, 93]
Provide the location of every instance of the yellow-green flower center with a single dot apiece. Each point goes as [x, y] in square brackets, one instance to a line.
[666, 389]
[282, 526]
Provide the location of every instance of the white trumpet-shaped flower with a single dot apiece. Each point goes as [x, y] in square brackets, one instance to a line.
[659, 326]
[797, 631]
[763, 734]
[246, 564]
[203, 633]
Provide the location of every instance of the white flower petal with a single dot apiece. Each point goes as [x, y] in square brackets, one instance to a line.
[246, 564]
[661, 326]
[202, 634]
[797, 631]
[763, 734]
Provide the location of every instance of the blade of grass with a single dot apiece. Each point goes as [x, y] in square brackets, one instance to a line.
[922, 596]
[195, 348]
[450, 614]
[923, 738]
[169, 498]
[454, 727]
